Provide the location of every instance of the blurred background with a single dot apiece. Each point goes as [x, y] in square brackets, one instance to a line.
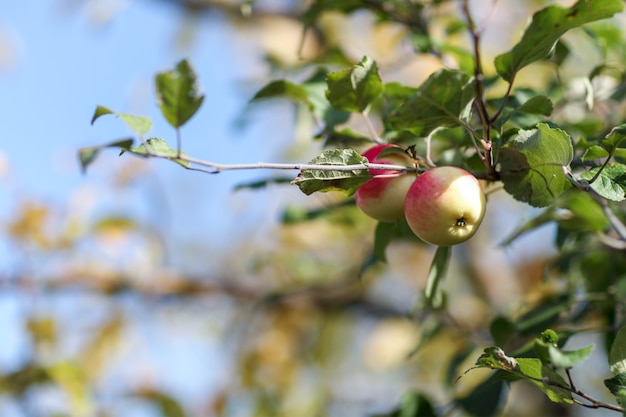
[141, 289]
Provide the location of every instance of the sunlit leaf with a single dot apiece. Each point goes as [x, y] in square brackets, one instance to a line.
[444, 100]
[283, 89]
[610, 183]
[354, 89]
[141, 125]
[158, 147]
[565, 359]
[532, 165]
[312, 180]
[547, 26]
[87, 156]
[178, 94]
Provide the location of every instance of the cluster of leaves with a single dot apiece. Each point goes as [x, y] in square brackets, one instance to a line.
[522, 139]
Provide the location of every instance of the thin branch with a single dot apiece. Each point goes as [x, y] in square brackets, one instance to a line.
[370, 127]
[479, 101]
[215, 168]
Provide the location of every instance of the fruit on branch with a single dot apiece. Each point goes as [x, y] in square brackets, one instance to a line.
[383, 198]
[445, 206]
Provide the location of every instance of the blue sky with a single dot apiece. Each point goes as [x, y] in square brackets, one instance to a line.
[66, 65]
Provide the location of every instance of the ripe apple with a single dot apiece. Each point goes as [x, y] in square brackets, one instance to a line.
[445, 206]
[383, 198]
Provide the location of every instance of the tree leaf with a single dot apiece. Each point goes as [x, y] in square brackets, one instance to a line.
[617, 386]
[158, 147]
[87, 156]
[323, 111]
[610, 183]
[141, 125]
[532, 165]
[566, 359]
[614, 138]
[285, 89]
[547, 26]
[541, 375]
[444, 100]
[177, 94]
[617, 354]
[412, 404]
[354, 89]
[484, 400]
[537, 105]
[436, 274]
[312, 180]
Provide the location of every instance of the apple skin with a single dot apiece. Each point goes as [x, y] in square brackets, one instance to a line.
[445, 206]
[383, 198]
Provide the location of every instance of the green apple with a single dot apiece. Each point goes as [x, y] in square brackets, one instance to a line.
[383, 198]
[445, 206]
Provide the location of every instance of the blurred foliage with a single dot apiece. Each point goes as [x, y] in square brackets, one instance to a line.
[311, 322]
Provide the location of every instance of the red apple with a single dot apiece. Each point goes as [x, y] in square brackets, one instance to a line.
[383, 198]
[445, 206]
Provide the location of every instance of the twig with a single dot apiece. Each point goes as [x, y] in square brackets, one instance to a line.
[216, 168]
[370, 127]
[479, 101]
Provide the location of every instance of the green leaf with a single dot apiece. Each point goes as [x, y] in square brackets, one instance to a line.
[284, 89]
[574, 211]
[610, 183]
[141, 125]
[322, 109]
[484, 400]
[566, 359]
[614, 138]
[532, 165]
[255, 185]
[502, 329]
[87, 156]
[617, 386]
[177, 94]
[537, 105]
[412, 404]
[444, 100]
[547, 26]
[594, 152]
[354, 89]
[617, 354]
[100, 111]
[158, 147]
[312, 180]
[542, 376]
[437, 272]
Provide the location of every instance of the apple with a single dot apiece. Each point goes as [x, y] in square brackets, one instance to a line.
[445, 206]
[383, 198]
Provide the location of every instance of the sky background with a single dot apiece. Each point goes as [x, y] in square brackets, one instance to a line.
[57, 65]
[63, 64]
